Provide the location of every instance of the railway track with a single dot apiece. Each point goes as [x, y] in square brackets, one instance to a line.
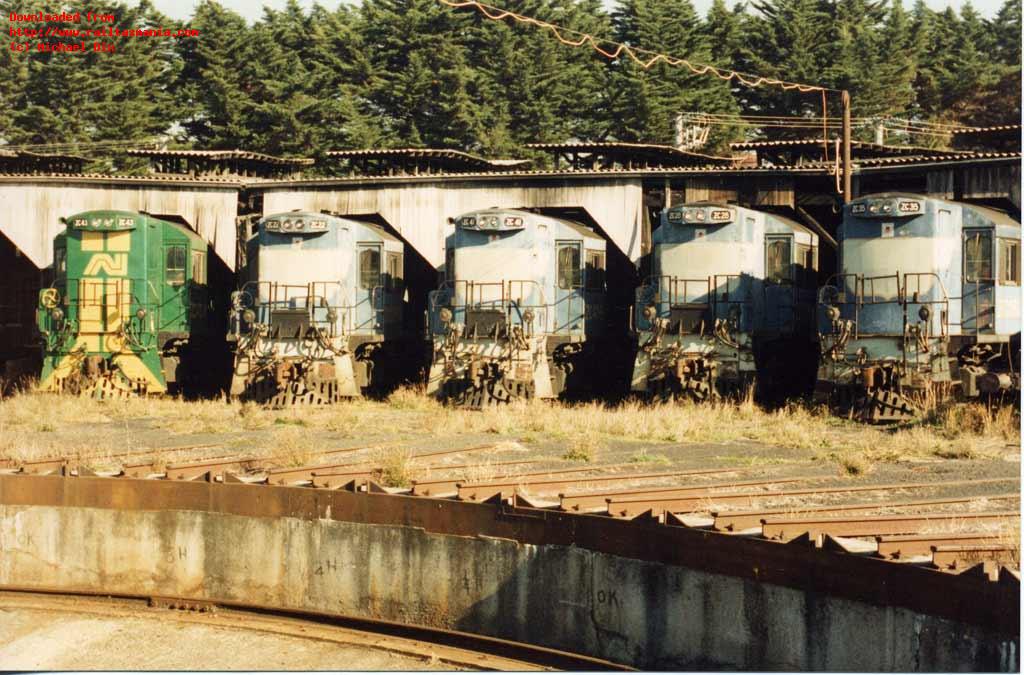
[954, 526]
[453, 648]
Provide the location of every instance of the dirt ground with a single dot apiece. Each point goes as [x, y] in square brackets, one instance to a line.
[32, 639]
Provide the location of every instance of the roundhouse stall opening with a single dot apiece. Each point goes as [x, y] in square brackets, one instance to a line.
[128, 310]
[619, 276]
[927, 302]
[318, 309]
[519, 310]
[19, 291]
[729, 304]
[416, 278]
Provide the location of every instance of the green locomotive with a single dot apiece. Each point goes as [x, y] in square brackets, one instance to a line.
[128, 307]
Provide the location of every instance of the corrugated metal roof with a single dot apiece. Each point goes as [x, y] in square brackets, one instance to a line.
[435, 153]
[25, 154]
[987, 130]
[650, 148]
[223, 154]
[812, 143]
[163, 178]
[924, 159]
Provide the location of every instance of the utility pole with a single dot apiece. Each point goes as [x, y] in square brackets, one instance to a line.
[847, 163]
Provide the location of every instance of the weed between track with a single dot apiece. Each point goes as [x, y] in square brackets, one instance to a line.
[35, 425]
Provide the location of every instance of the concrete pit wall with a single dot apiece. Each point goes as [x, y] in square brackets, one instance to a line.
[646, 614]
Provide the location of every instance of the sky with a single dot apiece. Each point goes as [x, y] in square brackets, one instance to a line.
[182, 9]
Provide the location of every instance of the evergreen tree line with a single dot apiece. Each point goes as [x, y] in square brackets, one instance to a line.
[403, 73]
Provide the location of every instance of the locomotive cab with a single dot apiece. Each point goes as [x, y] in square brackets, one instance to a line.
[928, 300]
[322, 296]
[730, 301]
[522, 295]
[128, 306]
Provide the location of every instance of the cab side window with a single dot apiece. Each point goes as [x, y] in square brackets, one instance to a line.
[978, 255]
[1009, 262]
[198, 267]
[569, 269]
[806, 266]
[595, 272]
[778, 257]
[394, 279]
[175, 268]
[369, 268]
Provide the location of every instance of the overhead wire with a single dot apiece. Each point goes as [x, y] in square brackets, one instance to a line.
[652, 58]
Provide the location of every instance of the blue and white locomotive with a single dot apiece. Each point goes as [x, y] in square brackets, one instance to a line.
[730, 301]
[523, 295]
[927, 298]
[321, 295]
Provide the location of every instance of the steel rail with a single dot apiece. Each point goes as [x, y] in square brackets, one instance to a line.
[652, 498]
[640, 503]
[786, 529]
[475, 650]
[547, 482]
[741, 520]
[903, 546]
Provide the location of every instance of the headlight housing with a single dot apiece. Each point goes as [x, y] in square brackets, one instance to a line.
[650, 312]
[924, 313]
[445, 315]
[140, 313]
[57, 314]
[249, 316]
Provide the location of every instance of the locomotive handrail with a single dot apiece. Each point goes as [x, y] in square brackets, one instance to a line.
[904, 296]
[447, 294]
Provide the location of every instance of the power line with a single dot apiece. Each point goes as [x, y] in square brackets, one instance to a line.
[635, 53]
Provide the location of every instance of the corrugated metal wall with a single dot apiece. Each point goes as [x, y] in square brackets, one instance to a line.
[30, 212]
[420, 211]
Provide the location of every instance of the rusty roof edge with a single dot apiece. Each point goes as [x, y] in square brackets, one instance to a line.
[963, 598]
[553, 175]
[1012, 158]
[105, 179]
[221, 154]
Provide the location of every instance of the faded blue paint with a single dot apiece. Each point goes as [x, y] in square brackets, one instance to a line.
[927, 245]
[737, 284]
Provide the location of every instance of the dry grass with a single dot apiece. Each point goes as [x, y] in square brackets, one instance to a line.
[395, 466]
[31, 424]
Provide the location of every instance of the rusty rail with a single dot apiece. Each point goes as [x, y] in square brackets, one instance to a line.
[636, 505]
[633, 502]
[786, 529]
[545, 482]
[741, 520]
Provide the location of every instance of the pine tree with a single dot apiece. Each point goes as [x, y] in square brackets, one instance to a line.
[425, 91]
[655, 96]
[210, 82]
[789, 40]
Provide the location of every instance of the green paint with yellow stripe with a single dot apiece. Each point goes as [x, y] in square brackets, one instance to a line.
[129, 295]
